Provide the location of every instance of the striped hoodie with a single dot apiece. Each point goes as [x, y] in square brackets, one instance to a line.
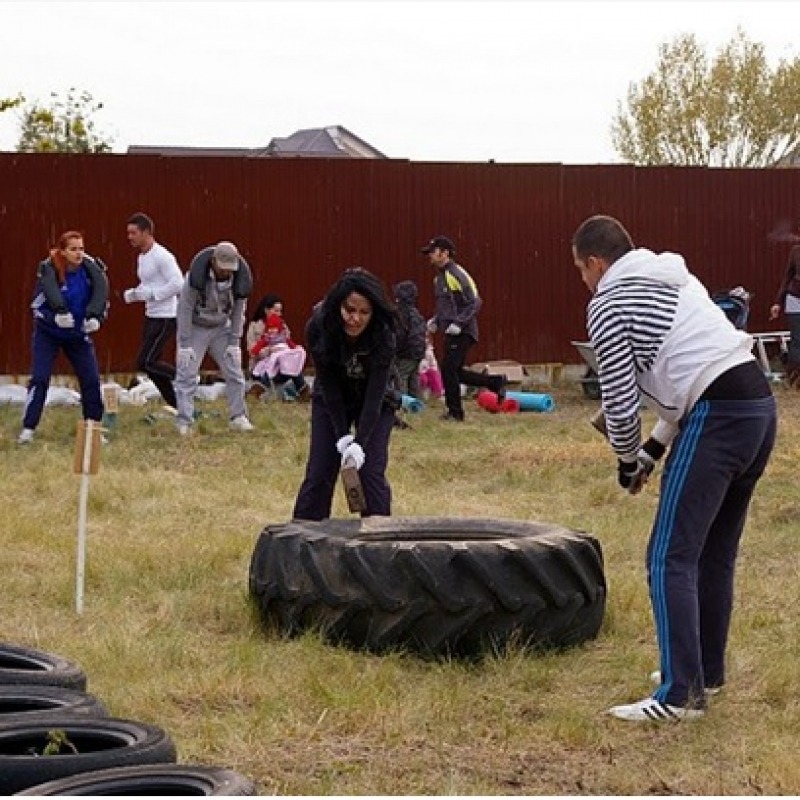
[660, 341]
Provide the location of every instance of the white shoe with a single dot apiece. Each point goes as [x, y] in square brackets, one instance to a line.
[25, 436]
[710, 691]
[241, 423]
[183, 429]
[651, 710]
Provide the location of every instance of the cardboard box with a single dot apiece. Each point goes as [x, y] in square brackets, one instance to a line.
[513, 370]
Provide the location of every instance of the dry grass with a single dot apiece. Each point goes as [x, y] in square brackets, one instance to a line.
[168, 636]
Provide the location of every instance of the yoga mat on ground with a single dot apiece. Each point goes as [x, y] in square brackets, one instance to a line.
[412, 404]
[531, 401]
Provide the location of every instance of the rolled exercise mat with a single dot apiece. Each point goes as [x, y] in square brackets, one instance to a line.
[530, 401]
[488, 401]
[412, 404]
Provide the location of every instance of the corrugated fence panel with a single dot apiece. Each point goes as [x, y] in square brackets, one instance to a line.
[300, 222]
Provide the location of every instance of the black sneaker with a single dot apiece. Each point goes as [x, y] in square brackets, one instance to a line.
[451, 417]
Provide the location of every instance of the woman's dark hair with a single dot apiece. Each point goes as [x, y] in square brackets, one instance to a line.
[265, 304]
[379, 336]
[602, 236]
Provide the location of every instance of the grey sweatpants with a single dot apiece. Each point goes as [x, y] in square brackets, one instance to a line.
[212, 341]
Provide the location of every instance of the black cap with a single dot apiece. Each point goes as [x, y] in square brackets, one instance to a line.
[442, 242]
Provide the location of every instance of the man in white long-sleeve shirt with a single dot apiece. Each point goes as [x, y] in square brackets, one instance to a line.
[660, 339]
[160, 283]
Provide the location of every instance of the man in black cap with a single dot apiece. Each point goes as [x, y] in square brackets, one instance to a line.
[457, 305]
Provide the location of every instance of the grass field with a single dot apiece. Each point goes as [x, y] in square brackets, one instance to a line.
[168, 636]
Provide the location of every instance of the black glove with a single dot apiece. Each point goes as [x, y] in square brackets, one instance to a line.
[633, 475]
[630, 474]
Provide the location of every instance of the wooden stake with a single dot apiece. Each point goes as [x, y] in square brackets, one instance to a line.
[87, 462]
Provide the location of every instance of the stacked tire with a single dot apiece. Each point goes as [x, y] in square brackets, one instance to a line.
[56, 738]
[435, 586]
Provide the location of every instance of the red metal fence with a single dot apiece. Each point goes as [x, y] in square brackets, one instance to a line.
[300, 222]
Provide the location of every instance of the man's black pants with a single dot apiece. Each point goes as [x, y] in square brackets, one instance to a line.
[454, 374]
[158, 331]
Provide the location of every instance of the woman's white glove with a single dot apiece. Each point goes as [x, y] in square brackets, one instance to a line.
[91, 325]
[344, 443]
[453, 329]
[353, 453]
[65, 320]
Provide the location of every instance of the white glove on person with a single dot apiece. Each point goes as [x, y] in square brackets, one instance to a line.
[65, 320]
[431, 325]
[344, 443]
[233, 353]
[137, 295]
[91, 325]
[186, 355]
[353, 453]
[453, 329]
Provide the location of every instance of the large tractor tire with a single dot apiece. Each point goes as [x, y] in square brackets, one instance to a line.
[438, 587]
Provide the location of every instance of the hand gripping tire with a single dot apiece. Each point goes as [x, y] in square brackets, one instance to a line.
[20, 664]
[439, 587]
[23, 703]
[166, 780]
[101, 743]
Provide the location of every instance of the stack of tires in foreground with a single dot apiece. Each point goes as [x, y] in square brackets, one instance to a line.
[56, 739]
[435, 586]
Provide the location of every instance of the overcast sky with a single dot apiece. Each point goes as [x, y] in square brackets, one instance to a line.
[435, 81]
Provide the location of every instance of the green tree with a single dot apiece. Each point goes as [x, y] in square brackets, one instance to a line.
[62, 126]
[733, 111]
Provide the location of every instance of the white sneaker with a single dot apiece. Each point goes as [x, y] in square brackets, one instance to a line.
[241, 423]
[710, 691]
[651, 710]
[183, 429]
[25, 436]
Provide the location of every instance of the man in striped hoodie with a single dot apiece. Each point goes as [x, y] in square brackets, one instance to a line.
[661, 341]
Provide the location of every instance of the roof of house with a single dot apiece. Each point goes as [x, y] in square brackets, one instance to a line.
[333, 141]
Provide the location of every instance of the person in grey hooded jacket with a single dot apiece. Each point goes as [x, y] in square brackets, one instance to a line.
[211, 310]
[660, 340]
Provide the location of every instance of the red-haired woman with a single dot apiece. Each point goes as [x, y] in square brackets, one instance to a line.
[69, 303]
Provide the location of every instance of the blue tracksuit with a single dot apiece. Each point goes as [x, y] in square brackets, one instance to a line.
[84, 294]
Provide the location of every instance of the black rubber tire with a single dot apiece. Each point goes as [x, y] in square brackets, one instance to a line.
[438, 587]
[166, 780]
[32, 703]
[102, 743]
[20, 664]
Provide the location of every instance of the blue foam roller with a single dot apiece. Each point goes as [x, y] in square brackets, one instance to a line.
[412, 405]
[530, 401]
